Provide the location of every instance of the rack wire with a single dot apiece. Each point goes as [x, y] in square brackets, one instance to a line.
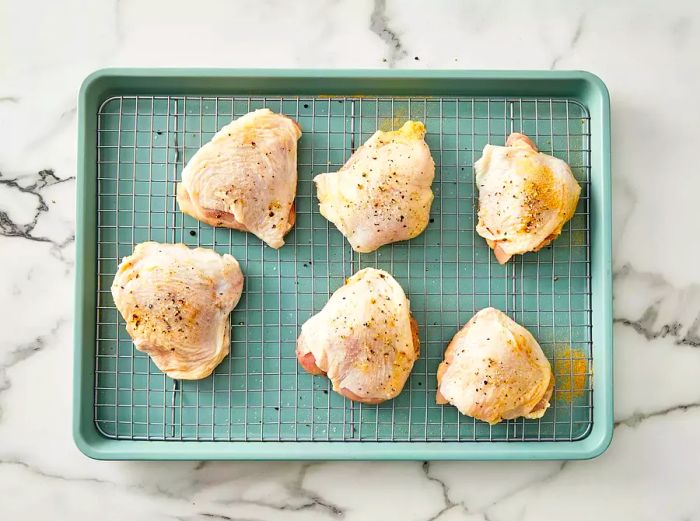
[259, 392]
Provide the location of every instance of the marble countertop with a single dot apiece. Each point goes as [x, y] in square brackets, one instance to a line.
[648, 56]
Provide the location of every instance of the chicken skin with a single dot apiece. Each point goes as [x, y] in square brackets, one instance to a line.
[495, 370]
[382, 194]
[525, 197]
[245, 178]
[364, 339]
[176, 303]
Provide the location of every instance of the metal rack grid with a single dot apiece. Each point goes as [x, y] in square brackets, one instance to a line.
[259, 392]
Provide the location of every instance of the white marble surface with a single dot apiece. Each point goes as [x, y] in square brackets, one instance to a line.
[648, 56]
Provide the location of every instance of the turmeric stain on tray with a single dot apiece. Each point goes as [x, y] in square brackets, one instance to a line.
[571, 372]
[578, 237]
[400, 117]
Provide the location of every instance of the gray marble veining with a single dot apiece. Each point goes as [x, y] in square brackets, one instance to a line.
[379, 24]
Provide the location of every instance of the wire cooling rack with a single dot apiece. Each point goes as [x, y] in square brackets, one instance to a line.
[259, 392]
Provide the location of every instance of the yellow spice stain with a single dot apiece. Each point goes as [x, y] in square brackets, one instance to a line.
[539, 181]
[571, 371]
[393, 123]
[578, 237]
[538, 189]
[347, 97]
[398, 373]
[363, 367]
[370, 97]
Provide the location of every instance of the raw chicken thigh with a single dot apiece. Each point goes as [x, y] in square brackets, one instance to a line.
[382, 194]
[364, 339]
[245, 178]
[495, 370]
[525, 197]
[176, 302]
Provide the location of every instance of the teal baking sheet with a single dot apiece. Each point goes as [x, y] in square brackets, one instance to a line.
[259, 400]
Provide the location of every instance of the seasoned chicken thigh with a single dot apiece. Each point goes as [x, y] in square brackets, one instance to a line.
[176, 302]
[525, 197]
[364, 339]
[495, 370]
[382, 194]
[245, 178]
